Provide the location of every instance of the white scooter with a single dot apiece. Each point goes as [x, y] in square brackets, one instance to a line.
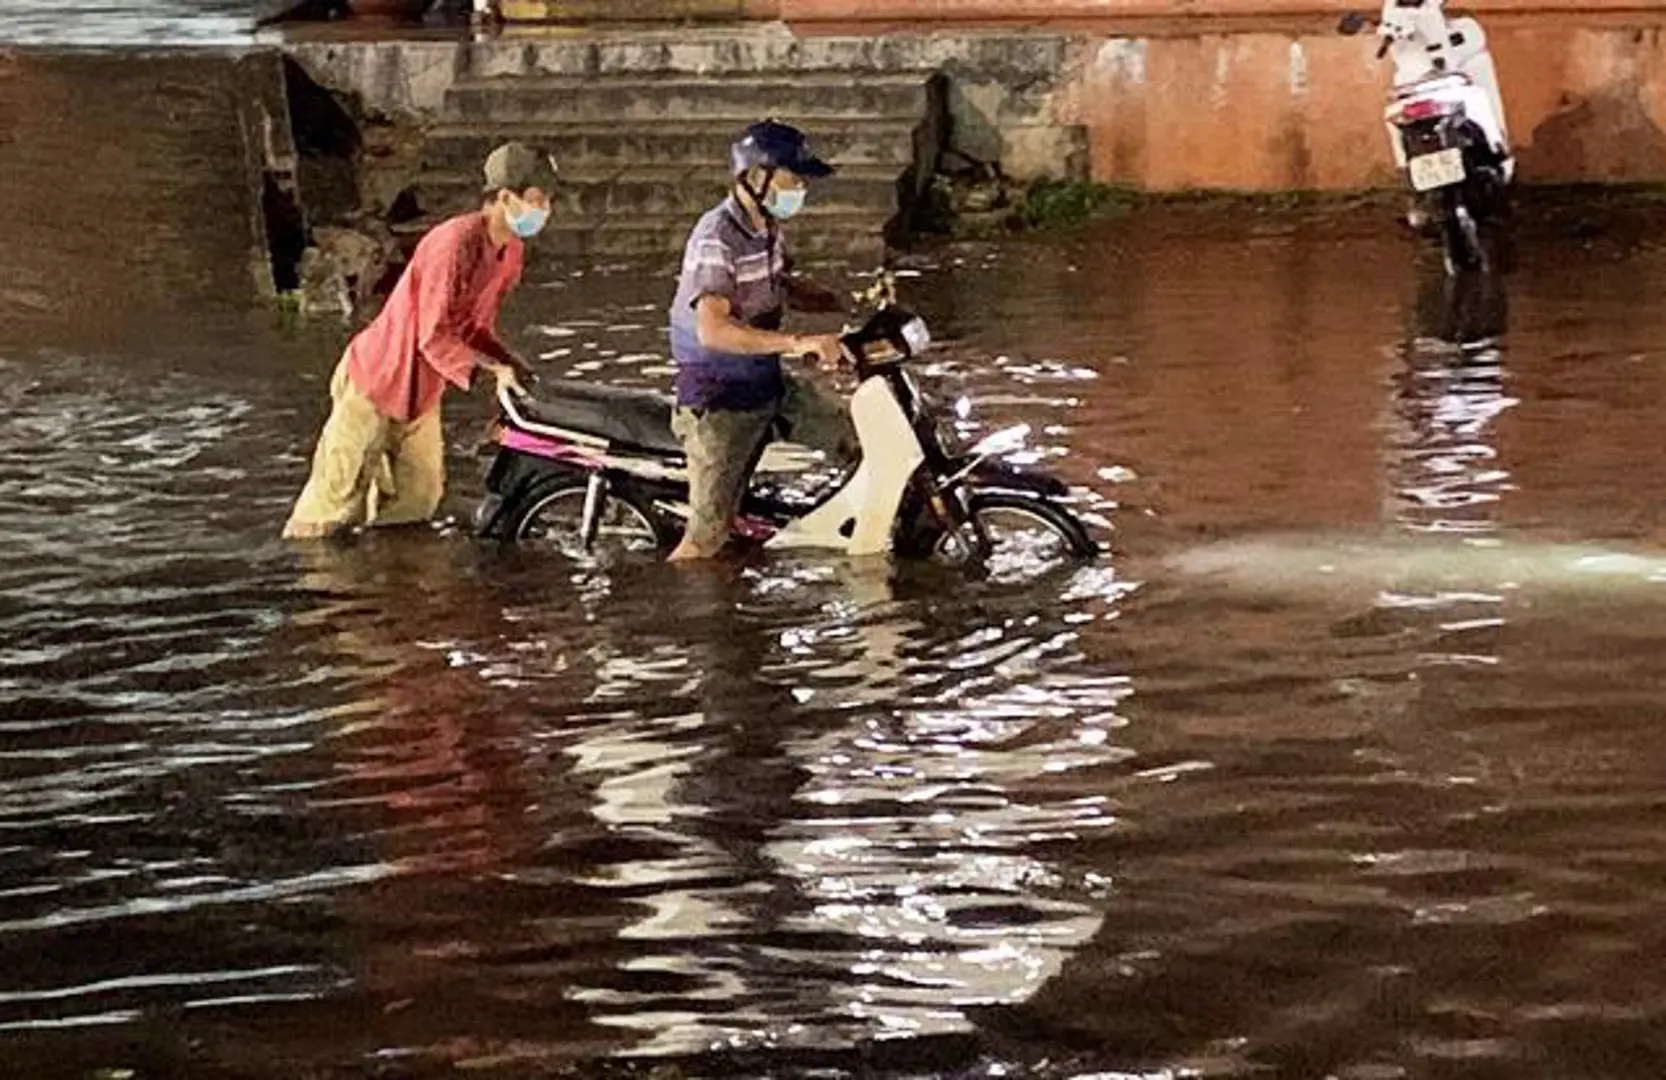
[586, 466]
[1445, 121]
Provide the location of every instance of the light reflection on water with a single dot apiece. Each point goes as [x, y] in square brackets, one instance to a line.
[1341, 762]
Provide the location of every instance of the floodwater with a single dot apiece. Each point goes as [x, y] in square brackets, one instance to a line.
[130, 22]
[414, 806]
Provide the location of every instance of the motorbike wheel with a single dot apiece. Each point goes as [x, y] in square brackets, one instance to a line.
[551, 515]
[1009, 534]
[1461, 235]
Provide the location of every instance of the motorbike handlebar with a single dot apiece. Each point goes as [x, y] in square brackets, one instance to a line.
[890, 336]
[1354, 22]
[846, 354]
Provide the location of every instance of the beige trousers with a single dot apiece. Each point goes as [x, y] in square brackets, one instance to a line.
[367, 469]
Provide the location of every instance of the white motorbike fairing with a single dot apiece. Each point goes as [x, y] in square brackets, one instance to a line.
[860, 516]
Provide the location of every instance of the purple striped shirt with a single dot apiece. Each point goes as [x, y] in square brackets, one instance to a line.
[726, 257]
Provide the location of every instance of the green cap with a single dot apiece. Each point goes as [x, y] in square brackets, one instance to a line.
[517, 167]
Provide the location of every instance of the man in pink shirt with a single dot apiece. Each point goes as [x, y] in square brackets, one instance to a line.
[380, 459]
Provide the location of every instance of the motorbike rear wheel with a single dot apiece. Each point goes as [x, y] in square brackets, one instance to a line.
[1460, 234]
[552, 515]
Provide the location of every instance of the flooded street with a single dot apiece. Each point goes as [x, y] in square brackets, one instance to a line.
[1300, 780]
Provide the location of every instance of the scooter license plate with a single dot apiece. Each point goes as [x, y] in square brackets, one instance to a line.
[1437, 170]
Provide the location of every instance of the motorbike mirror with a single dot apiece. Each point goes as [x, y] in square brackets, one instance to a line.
[882, 293]
[1352, 23]
[887, 286]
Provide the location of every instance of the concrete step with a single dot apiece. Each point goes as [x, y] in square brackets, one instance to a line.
[846, 143]
[758, 49]
[804, 99]
[686, 191]
[836, 236]
[814, 236]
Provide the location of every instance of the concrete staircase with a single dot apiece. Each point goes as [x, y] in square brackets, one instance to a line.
[641, 128]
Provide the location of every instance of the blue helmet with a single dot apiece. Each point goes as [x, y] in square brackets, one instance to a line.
[774, 145]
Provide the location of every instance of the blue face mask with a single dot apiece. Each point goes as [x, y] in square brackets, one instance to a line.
[528, 223]
[784, 203]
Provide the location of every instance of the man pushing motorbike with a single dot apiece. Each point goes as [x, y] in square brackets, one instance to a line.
[380, 459]
[737, 279]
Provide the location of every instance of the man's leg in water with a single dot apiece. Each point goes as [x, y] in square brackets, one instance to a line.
[349, 450]
[818, 417]
[416, 453]
[722, 447]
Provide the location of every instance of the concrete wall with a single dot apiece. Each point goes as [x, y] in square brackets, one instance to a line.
[132, 181]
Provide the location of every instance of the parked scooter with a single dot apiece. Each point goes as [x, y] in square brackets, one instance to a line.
[1445, 122]
[585, 467]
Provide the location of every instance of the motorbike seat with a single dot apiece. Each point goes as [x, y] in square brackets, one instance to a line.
[640, 419]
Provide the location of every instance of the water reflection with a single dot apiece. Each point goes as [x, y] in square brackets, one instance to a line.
[1446, 479]
[445, 768]
[922, 830]
[1449, 389]
[843, 850]
[809, 816]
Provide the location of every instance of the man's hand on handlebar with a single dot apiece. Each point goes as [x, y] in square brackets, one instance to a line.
[508, 378]
[825, 349]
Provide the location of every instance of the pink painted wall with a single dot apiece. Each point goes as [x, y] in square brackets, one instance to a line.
[1034, 10]
[1269, 111]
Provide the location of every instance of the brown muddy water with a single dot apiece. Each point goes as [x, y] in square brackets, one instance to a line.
[1345, 761]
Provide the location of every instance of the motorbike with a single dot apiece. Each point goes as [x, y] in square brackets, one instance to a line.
[584, 467]
[1445, 123]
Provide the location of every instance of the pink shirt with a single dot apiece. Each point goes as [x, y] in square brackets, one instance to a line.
[440, 317]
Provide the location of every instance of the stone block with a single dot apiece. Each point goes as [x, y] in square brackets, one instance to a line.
[1044, 152]
[975, 118]
[394, 79]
